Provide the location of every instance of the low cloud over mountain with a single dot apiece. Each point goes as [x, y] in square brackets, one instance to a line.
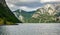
[30, 4]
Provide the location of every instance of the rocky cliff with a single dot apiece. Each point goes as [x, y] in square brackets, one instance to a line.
[51, 9]
[47, 13]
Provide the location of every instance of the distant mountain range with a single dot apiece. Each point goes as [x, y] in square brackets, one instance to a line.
[25, 14]
[49, 12]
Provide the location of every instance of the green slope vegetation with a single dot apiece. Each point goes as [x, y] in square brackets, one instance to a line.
[6, 16]
[44, 18]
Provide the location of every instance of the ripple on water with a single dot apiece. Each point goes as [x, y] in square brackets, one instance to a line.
[31, 29]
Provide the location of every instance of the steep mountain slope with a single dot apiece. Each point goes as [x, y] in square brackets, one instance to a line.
[46, 14]
[23, 15]
[19, 15]
[51, 9]
[6, 15]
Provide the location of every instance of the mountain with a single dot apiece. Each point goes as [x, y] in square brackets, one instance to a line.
[27, 14]
[49, 13]
[51, 9]
[6, 15]
[19, 15]
[23, 15]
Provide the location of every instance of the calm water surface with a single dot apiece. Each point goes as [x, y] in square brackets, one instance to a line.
[31, 29]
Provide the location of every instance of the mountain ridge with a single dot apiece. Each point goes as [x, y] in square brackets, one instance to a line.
[47, 13]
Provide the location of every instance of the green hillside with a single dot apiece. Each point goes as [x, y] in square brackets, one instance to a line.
[6, 16]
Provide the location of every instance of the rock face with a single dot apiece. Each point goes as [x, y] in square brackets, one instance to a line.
[6, 14]
[21, 18]
[18, 14]
[49, 13]
[50, 9]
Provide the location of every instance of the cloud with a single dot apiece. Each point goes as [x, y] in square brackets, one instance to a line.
[15, 1]
[28, 0]
[27, 8]
[32, 5]
[43, 1]
[12, 6]
[26, 4]
[23, 4]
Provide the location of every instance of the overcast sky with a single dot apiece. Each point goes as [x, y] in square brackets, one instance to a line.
[27, 5]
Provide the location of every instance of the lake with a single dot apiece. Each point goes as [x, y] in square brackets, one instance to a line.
[30, 29]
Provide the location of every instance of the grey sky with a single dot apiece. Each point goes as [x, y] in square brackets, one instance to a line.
[27, 5]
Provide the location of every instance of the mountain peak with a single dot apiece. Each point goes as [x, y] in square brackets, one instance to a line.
[50, 9]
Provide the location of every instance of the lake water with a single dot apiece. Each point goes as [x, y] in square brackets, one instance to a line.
[31, 29]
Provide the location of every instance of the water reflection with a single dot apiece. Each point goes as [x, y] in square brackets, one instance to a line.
[31, 29]
[2, 30]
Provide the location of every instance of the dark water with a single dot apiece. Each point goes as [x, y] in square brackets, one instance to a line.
[31, 29]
